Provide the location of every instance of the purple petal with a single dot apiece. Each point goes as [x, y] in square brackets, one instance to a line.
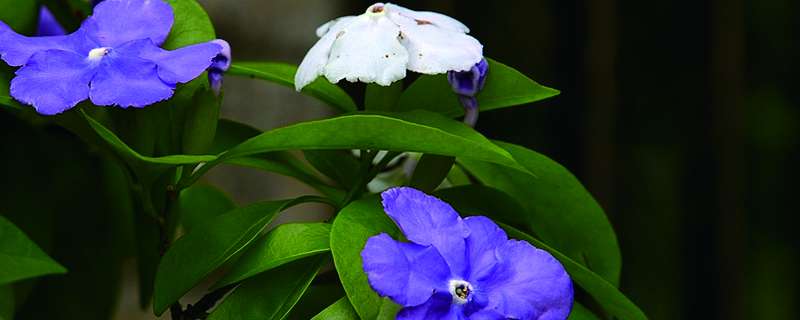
[177, 66]
[484, 237]
[53, 81]
[407, 273]
[528, 283]
[128, 81]
[116, 22]
[488, 315]
[48, 25]
[16, 49]
[439, 306]
[426, 220]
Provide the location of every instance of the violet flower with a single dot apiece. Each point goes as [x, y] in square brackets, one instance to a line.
[379, 45]
[114, 58]
[467, 84]
[455, 268]
[48, 25]
[220, 64]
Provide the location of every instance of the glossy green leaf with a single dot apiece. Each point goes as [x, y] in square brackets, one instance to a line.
[200, 124]
[283, 74]
[430, 171]
[558, 209]
[505, 87]
[20, 15]
[192, 25]
[284, 244]
[231, 133]
[341, 310]
[339, 165]
[6, 302]
[417, 131]
[200, 203]
[21, 258]
[271, 295]
[133, 157]
[351, 229]
[579, 312]
[195, 255]
[382, 98]
[605, 293]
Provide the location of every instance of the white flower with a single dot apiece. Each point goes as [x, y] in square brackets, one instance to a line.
[379, 45]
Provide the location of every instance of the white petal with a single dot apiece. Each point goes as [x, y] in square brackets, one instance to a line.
[368, 50]
[323, 29]
[316, 58]
[434, 18]
[434, 50]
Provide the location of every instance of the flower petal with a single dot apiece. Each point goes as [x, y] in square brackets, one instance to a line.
[313, 64]
[437, 19]
[484, 237]
[439, 306]
[48, 25]
[16, 49]
[52, 81]
[407, 273]
[177, 66]
[528, 283]
[488, 315]
[128, 81]
[426, 220]
[115, 22]
[367, 50]
[434, 50]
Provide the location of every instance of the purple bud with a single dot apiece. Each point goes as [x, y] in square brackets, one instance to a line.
[470, 82]
[220, 64]
[467, 84]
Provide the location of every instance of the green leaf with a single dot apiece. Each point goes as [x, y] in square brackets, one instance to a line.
[201, 121]
[351, 229]
[192, 25]
[417, 131]
[505, 87]
[283, 74]
[271, 295]
[341, 310]
[558, 209]
[231, 133]
[200, 203]
[579, 312]
[381, 98]
[195, 255]
[338, 165]
[20, 15]
[21, 258]
[134, 158]
[605, 293]
[6, 302]
[431, 170]
[284, 244]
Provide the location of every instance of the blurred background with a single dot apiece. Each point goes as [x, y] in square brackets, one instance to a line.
[681, 118]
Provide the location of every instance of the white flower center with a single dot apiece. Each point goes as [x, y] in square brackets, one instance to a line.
[460, 290]
[98, 53]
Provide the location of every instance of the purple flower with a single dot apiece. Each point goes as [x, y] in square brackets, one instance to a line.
[220, 64]
[114, 58]
[467, 84]
[455, 268]
[48, 25]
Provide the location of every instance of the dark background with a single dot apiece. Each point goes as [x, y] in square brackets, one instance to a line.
[679, 116]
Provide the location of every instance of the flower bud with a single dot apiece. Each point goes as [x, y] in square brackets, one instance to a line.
[220, 64]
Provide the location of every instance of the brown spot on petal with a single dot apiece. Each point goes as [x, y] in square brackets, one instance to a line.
[377, 9]
[422, 22]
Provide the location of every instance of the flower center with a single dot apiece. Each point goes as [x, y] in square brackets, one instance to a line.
[376, 9]
[460, 290]
[98, 53]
